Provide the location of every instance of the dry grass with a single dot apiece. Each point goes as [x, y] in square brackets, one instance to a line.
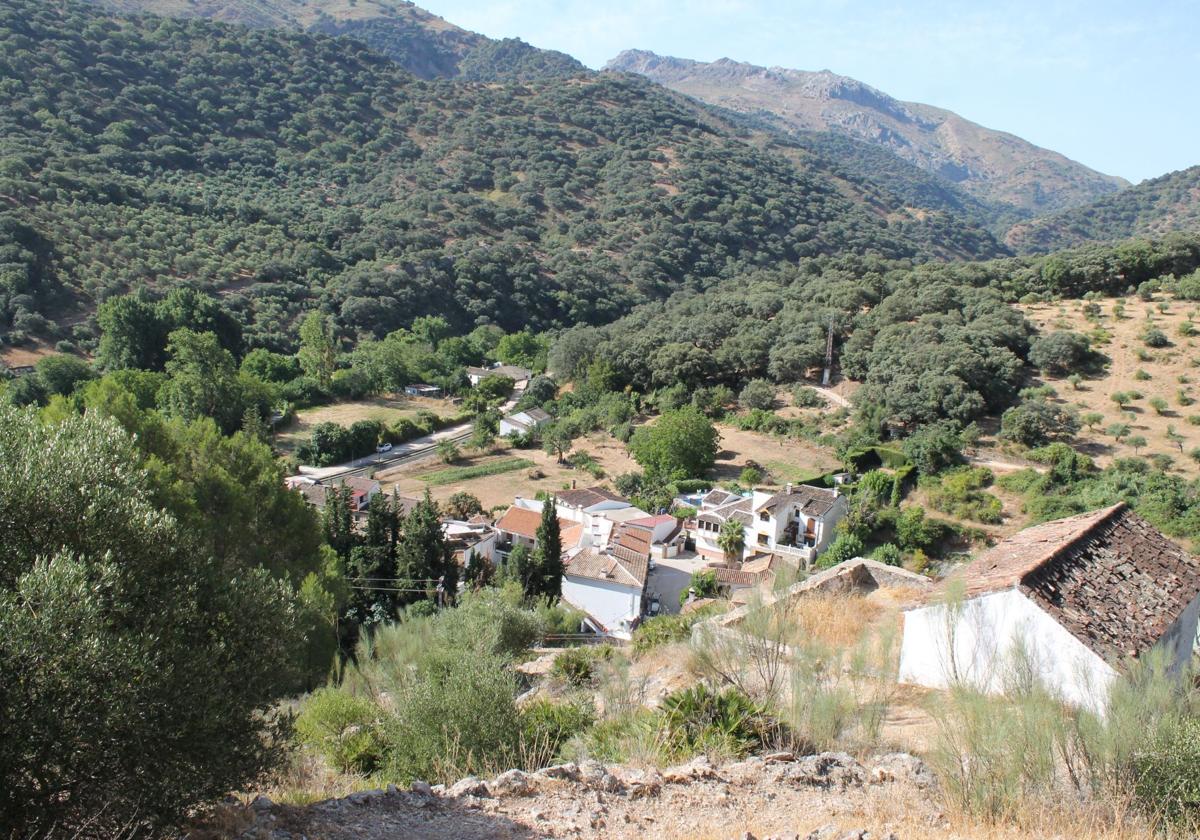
[1164, 365]
[783, 457]
[546, 475]
[839, 621]
[384, 409]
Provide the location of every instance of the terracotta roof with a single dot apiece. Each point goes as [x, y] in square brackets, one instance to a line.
[651, 521]
[635, 539]
[1108, 576]
[525, 522]
[812, 501]
[314, 494]
[586, 497]
[405, 503]
[738, 508]
[751, 572]
[569, 533]
[606, 567]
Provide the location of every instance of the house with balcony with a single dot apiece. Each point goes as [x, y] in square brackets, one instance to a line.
[797, 523]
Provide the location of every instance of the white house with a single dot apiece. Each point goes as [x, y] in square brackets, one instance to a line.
[796, 524]
[1067, 603]
[470, 540]
[420, 389]
[607, 589]
[597, 510]
[518, 375]
[522, 422]
[519, 524]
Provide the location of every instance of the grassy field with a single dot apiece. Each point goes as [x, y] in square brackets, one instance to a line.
[786, 460]
[1170, 374]
[383, 409]
[457, 475]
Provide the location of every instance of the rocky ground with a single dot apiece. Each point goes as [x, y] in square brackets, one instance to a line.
[829, 796]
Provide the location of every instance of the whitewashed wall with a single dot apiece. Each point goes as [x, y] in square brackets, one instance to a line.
[978, 641]
[608, 602]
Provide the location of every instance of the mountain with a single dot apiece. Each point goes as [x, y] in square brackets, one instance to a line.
[419, 41]
[1151, 208]
[993, 166]
[284, 171]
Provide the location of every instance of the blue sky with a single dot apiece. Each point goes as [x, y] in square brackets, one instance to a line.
[1114, 85]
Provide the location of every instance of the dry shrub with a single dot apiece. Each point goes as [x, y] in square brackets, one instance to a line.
[839, 621]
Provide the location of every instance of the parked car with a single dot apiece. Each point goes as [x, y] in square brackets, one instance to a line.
[383, 447]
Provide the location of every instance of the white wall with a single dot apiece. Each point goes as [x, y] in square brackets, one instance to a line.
[608, 602]
[978, 642]
[1180, 638]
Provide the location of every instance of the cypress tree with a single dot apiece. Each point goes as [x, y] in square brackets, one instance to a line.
[547, 579]
[422, 555]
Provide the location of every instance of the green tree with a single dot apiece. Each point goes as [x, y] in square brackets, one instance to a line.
[732, 539]
[524, 349]
[140, 676]
[201, 380]
[60, 374]
[1118, 430]
[462, 505]
[423, 558]
[447, 451]
[133, 334]
[318, 348]
[557, 438]
[682, 444]
[547, 555]
[1137, 442]
[845, 546]
[758, 393]
[935, 447]
[1060, 352]
[1038, 422]
[1092, 419]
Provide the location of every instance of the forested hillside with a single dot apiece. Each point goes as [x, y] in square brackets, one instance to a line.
[1152, 208]
[285, 171]
[422, 43]
[994, 166]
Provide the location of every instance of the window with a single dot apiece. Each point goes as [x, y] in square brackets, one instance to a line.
[765, 516]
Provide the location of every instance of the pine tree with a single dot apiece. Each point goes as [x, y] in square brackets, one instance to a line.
[338, 520]
[422, 555]
[547, 560]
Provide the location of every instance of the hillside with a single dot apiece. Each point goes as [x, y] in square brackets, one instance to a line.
[420, 42]
[1152, 208]
[286, 170]
[994, 166]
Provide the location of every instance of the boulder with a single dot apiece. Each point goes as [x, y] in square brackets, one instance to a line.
[421, 788]
[697, 768]
[902, 767]
[825, 770]
[512, 783]
[568, 772]
[470, 786]
[595, 775]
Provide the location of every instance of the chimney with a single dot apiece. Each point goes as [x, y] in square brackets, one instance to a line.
[787, 489]
[572, 484]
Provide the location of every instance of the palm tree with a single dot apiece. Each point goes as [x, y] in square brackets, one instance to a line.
[732, 539]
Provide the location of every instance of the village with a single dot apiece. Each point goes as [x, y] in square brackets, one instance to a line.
[1076, 599]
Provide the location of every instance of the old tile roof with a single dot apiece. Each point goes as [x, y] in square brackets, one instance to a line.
[812, 501]
[634, 538]
[525, 522]
[593, 565]
[651, 521]
[586, 497]
[717, 497]
[1108, 576]
[314, 494]
[537, 414]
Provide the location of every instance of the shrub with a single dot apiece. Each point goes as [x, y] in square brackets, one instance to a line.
[546, 725]
[750, 476]
[1036, 423]
[805, 397]
[703, 583]
[701, 719]
[845, 546]
[342, 728]
[663, 630]
[1154, 337]
[1158, 404]
[887, 553]
[758, 393]
[1060, 352]
[577, 666]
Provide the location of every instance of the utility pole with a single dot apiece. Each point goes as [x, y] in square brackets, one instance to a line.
[828, 372]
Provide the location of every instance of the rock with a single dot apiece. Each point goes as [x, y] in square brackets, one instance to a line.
[856, 834]
[261, 803]
[748, 772]
[826, 770]
[746, 835]
[364, 797]
[781, 757]
[595, 775]
[512, 783]
[638, 783]
[470, 786]
[421, 788]
[567, 772]
[438, 790]
[902, 767]
[697, 768]
[822, 833]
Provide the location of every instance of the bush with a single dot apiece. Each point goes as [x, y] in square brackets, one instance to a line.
[577, 666]
[887, 553]
[1060, 352]
[805, 397]
[1154, 337]
[1036, 423]
[844, 547]
[750, 476]
[342, 728]
[700, 719]
[758, 393]
[546, 725]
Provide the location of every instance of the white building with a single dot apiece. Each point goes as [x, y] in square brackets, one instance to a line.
[607, 589]
[1067, 603]
[522, 422]
[518, 375]
[796, 524]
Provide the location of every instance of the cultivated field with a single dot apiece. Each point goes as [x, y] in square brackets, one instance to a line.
[1169, 373]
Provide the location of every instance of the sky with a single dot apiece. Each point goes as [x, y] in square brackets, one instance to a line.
[1114, 84]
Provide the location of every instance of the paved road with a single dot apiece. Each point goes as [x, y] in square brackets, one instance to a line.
[401, 453]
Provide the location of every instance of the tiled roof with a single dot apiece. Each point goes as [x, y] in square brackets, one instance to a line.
[651, 521]
[1109, 577]
[314, 494]
[359, 483]
[812, 501]
[525, 522]
[592, 565]
[511, 371]
[537, 414]
[586, 497]
[736, 508]
[717, 497]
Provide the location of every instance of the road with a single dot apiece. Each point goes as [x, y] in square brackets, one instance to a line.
[400, 454]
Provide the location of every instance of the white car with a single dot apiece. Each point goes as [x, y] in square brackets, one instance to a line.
[383, 447]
